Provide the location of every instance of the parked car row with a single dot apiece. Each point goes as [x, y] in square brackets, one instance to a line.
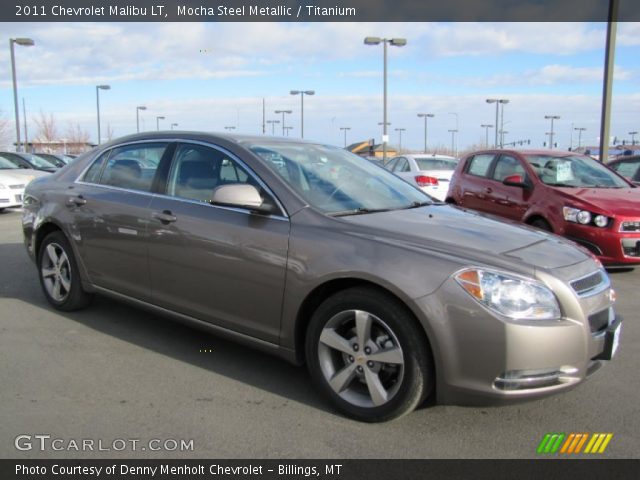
[311, 253]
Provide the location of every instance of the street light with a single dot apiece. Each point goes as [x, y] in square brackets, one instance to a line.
[633, 138]
[23, 42]
[552, 118]
[453, 136]
[425, 116]
[273, 125]
[287, 130]
[283, 112]
[98, 88]
[456, 115]
[173, 125]
[302, 93]
[486, 134]
[141, 107]
[395, 42]
[158, 122]
[345, 134]
[229, 127]
[580, 130]
[400, 130]
[498, 102]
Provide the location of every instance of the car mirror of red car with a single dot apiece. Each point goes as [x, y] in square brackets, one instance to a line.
[515, 181]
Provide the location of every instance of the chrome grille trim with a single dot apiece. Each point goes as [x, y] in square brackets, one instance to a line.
[630, 226]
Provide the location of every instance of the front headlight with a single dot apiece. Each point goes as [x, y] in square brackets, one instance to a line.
[511, 296]
[584, 217]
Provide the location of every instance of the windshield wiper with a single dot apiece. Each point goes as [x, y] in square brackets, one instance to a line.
[418, 205]
[358, 211]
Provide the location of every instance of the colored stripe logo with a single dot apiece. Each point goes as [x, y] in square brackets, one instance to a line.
[574, 443]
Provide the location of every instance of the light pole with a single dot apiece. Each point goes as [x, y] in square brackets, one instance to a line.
[23, 42]
[400, 130]
[486, 127]
[453, 136]
[158, 122]
[395, 42]
[302, 93]
[580, 130]
[273, 126]
[138, 108]
[502, 104]
[98, 88]
[457, 128]
[552, 118]
[425, 116]
[229, 127]
[633, 138]
[283, 112]
[173, 125]
[498, 102]
[287, 130]
[345, 134]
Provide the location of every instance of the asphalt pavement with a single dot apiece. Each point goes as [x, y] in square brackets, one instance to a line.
[113, 372]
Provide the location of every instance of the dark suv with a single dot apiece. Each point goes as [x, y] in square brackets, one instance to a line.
[561, 192]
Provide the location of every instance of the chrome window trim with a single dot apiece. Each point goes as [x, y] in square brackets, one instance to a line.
[284, 215]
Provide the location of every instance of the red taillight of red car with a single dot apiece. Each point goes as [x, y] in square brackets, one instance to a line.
[425, 181]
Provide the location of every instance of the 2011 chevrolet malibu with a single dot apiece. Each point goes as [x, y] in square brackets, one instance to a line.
[388, 296]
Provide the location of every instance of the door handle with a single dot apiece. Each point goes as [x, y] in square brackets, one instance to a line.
[76, 201]
[165, 216]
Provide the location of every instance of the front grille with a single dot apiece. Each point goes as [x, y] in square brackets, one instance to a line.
[593, 282]
[630, 226]
[599, 321]
[16, 187]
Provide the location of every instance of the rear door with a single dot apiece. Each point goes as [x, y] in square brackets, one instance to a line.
[222, 265]
[505, 200]
[475, 184]
[109, 207]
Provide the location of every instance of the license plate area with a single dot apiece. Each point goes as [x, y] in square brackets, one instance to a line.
[611, 341]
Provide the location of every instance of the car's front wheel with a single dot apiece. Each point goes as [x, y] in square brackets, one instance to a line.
[368, 356]
[59, 276]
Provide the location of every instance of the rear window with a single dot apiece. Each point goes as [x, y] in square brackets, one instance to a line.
[436, 164]
[479, 164]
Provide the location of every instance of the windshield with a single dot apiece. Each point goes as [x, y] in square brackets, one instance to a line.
[338, 182]
[6, 164]
[574, 171]
[436, 163]
[38, 161]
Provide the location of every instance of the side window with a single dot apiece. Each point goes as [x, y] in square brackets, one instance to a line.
[479, 164]
[133, 166]
[391, 164]
[93, 174]
[197, 170]
[507, 165]
[402, 165]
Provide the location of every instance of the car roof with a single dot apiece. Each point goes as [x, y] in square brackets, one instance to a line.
[554, 153]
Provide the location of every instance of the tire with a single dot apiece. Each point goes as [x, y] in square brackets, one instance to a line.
[339, 349]
[542, 224]
[59, 276]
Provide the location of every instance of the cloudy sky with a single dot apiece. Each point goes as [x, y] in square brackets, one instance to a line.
[205, 76]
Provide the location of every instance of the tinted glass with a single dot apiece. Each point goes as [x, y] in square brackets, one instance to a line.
[7, 164]
[16, 160]
[197, 170]
[574, 171]
[479, 165]
[336, 181]
[506, 166]
[436, 164]
[627, 169]
[93, 174]
[391, 164]
[39, 162]
[133, 166]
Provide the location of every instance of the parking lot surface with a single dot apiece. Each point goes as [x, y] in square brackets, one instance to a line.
[115, 372]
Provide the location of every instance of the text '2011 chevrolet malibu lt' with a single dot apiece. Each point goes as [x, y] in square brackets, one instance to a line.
[313, 254]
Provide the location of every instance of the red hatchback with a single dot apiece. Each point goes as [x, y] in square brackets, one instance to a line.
[565, 193]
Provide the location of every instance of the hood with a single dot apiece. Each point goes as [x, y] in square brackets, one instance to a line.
[21, 175]
[612, 201]
[472, 236]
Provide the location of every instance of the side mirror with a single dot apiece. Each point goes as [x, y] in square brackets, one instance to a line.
[242, 196]
[515, 181]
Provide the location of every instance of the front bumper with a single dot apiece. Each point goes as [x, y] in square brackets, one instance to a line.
[482, 358]
[610, 245]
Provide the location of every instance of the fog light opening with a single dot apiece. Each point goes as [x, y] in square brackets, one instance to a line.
[531, 379]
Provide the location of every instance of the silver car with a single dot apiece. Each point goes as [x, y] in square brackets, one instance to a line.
[388, 296]
[430, 172]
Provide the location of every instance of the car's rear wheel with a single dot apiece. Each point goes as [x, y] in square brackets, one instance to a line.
[368, 356]
[59, 276]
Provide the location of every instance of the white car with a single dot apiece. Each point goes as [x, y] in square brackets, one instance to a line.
[430, 172]
[13, 181]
